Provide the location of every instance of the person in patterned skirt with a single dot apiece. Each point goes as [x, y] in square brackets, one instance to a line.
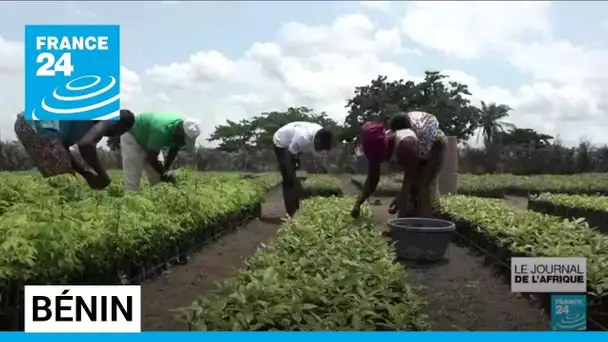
[48, 142]
[415, 144]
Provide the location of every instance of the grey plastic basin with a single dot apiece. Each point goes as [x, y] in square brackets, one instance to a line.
[421, 239]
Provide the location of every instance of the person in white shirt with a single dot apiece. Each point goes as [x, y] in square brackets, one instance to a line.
[289, 141]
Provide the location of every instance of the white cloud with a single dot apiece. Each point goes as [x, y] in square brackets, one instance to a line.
[163, 97]
[569, 80]
[316, 66]
[245, 99]
[132, 93]
[468, 30]
[559, 60]
[349, 34]
[202, 68]
[79, 12]
[319, 66]
[11, 56]
[543, 106]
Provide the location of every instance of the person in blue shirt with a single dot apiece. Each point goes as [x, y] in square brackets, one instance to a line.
[48, 145]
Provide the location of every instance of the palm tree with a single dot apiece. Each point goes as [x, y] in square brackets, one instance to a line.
[491, 122]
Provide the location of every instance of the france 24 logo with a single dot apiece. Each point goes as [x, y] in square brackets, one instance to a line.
[82, 308]
[72, 72]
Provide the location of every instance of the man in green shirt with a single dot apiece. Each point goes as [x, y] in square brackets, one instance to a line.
[141, 146]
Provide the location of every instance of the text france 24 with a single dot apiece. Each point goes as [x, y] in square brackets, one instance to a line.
[72, 72]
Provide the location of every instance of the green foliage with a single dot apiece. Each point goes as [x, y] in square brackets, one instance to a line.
[528, 233]
[491, 122]
[585, 183]
[322, 185]
[499, 184]
[233, 135]
[258, 131]
[57, 230]
[448, 101]
[325, 272]
[524, 137]
[265, 181]
[593, 209]
[599, 203]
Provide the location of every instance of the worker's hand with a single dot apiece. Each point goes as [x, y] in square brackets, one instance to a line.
[394, 207]
[95, 181]
[356, 211]
[89, 177]
[168, 178]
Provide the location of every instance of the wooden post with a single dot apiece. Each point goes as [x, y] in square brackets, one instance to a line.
[448, 176]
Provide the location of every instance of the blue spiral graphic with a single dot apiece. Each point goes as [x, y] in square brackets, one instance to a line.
[88, 97]
[572, 322]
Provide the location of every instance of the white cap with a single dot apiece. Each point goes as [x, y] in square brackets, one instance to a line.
[192, 128]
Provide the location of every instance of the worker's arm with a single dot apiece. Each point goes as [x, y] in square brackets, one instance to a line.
[156, 142]
[152, 160]
[76, 164]
[173, 151]
[371, 181]
[87, 146]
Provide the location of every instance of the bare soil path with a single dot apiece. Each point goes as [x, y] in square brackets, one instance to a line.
[184, 283]
[518, 201]
[463, 292]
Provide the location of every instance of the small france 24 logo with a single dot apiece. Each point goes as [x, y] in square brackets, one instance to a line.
[72, 72]
[569, 312]
[82, 309]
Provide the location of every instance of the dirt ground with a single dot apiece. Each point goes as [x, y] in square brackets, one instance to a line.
[521, 202]
[463, 292]
[184, 283]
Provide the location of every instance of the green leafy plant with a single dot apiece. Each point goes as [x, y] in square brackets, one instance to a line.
[325, 271]
[586, 183]
[599, 203]
[527, 233]
[496, 185]
[594, 209]
[57, 230]
[322, 185]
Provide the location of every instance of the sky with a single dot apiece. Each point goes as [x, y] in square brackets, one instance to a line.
[232, 60]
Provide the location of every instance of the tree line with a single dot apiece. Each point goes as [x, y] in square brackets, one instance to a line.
[448, 100]
[242, 144]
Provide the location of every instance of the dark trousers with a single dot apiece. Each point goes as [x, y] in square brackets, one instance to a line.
[292, 189]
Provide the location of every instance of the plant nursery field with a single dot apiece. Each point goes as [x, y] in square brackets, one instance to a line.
[322, 271]
[497, 185]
